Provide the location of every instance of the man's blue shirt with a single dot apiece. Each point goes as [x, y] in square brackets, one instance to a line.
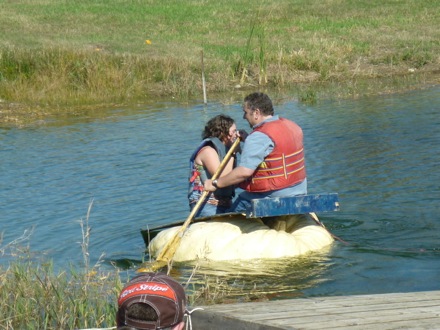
[256, 147]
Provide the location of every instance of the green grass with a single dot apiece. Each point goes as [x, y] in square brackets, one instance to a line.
[58, 54]
[33, 296]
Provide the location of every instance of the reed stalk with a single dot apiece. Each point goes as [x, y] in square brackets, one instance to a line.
[34, 296]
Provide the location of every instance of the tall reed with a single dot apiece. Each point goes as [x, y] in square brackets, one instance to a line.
[34, 296]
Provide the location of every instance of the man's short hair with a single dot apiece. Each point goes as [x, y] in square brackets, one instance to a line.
[260, 101]
[151, 301]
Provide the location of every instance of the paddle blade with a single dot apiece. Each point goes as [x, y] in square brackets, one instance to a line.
[169, 250]
[165, 256]
[154, 266]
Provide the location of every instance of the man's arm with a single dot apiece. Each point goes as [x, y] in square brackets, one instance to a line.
[256, 148]
[237, 175]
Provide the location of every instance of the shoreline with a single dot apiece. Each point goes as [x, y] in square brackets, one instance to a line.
[20, 115]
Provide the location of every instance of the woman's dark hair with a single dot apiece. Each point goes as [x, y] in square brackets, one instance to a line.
[218, 127]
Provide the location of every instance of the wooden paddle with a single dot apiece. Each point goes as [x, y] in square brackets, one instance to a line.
[316, 219]
[166, 255]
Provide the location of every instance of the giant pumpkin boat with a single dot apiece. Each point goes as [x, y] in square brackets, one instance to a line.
[272, 228]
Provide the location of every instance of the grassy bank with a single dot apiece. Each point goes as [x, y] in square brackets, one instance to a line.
[33, 296]
[59, 55]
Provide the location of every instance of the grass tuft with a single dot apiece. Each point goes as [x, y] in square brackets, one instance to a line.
[32, 296]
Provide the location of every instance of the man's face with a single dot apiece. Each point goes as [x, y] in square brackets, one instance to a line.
[249, 115]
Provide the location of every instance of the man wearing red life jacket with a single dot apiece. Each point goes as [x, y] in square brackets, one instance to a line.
[272, 160]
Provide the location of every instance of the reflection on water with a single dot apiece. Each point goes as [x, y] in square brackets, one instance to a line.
[381, 154]
[254, 279]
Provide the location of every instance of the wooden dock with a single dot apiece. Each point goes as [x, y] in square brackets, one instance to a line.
[415, 310]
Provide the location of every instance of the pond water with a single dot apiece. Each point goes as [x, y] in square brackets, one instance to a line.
[381, 154]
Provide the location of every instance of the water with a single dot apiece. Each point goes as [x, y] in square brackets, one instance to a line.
[381, 154]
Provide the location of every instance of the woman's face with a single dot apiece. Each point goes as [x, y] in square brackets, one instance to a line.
[233, 134]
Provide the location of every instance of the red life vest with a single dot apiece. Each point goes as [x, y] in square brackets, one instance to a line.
[285, 165]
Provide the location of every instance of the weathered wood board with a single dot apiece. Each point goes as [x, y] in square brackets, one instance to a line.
[412, 310]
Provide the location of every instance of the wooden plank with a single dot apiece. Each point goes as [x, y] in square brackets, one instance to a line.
[350, 317]
[415, 310]
[312, 311]
[337, 302]
[337, 320]
[268, 207]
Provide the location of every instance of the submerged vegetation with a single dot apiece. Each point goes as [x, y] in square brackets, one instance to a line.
[57, 56]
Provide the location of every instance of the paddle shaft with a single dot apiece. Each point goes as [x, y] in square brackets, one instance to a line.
[316, 219]
[169, 250]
